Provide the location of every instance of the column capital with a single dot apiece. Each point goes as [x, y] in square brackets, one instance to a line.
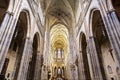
[110, 11]
[11, 13]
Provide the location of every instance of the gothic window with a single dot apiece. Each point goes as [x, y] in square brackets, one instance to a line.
[55, 71]
[59, 53]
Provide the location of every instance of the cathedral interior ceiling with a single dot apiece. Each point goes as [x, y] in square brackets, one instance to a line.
[59, 11]
[58, 39]
[60, 15]
[59, 35]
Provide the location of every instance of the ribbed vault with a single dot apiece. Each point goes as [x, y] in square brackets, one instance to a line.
[59, 37]
[62, 11]
[59, 40]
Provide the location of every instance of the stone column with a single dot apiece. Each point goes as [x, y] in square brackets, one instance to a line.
[4, 23]
[81, 66]
[46, 55]
[115, 34]
[97, 75]
[27, 58]
[37, 67]
[6, 39]
[112, 26]
[4, 29]
[71, 53]
[7, 29]
[89, 62]
[22, 74]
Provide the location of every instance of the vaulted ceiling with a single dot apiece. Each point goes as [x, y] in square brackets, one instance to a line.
[59, 11]
[59, 18]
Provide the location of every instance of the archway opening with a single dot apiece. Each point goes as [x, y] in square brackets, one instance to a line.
[116, 5]
[14, 55]
[3, 8]
[55, 71]
[103, 47]
[59, 50]
[85, 57]
[32, 63]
